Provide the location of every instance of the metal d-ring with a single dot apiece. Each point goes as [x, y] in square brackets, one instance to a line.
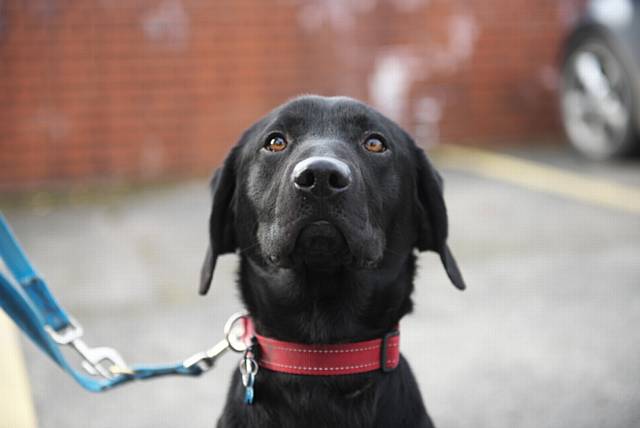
[235, 341]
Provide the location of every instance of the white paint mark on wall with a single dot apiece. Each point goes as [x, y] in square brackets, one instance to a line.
[462, 33]
[339, 14]
[168, 24]
[548, 77]
[390, 82]
[152, 158]
[54, 123]
[396, 69]
[408, 5]
[428, 112]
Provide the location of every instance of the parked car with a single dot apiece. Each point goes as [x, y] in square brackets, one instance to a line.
[600, 81]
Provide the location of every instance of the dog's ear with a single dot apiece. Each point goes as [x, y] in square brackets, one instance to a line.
[221, 221]
[432, 215]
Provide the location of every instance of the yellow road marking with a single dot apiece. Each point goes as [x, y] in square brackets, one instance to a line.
[540, 177]
[16, 407]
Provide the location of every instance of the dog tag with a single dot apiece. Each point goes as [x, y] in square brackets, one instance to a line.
[248, 369]
[248, 392]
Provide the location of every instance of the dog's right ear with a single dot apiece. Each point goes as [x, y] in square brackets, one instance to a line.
[222, 237]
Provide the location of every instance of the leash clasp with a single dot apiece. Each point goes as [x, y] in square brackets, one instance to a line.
[100, 361]
[235, 330]
[206, 359]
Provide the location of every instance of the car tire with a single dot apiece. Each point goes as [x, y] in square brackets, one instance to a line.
[598, 100]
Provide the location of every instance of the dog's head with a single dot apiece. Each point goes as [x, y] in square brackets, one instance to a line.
[325, 184]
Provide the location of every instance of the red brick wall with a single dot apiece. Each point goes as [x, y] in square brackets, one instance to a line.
[143, 89]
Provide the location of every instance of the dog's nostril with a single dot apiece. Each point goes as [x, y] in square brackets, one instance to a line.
[305, 179]
[339, 181]
[321, 176]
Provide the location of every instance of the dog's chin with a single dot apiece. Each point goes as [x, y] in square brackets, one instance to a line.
[321, 246]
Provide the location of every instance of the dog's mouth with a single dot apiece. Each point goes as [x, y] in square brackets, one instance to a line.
[320, 237]
[321, 246]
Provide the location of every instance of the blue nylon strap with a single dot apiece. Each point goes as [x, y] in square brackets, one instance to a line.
[32, 307]
[32, 284]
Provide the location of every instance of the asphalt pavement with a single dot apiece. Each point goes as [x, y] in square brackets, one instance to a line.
[546, 335]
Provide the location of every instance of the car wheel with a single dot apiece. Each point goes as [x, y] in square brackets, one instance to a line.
[597, 102]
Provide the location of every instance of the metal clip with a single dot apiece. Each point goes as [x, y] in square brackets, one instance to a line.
[94, 359]
[233, 339]
[206, 359]
[67, 335]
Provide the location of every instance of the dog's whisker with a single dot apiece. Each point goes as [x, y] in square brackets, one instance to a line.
[390, 251]
[255, 244]
[242, 250]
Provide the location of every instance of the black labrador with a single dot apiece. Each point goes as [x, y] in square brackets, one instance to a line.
[326, 200]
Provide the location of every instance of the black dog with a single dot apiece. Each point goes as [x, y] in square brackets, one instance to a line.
[326, 200]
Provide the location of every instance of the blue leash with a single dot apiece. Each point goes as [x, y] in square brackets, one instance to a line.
[34, 309]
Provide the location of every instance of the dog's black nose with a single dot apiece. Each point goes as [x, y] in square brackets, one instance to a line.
[321, 176]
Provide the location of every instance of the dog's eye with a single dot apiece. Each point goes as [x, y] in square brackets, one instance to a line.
[375, 144]
[275, 143]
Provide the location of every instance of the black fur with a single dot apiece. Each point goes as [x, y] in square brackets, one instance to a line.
[327, 269]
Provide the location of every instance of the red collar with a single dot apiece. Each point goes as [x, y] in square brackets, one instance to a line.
[329, 359]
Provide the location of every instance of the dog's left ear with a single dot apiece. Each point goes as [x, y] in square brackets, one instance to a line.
[221, 221]
[432, 215]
